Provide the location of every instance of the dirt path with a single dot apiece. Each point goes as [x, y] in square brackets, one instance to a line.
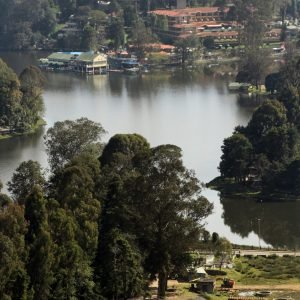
[290, 287]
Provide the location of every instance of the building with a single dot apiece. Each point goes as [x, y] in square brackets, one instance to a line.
[83, 62]
[206, 285]
[202, 22]
[91, 63]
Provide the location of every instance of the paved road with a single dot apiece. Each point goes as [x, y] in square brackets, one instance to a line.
[266, 253]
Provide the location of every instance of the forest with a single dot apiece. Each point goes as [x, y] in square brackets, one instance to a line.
[92, 25]
[102, 222]
[266, 151]
[21, 102]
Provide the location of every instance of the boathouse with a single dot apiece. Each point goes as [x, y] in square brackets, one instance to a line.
[91, 63]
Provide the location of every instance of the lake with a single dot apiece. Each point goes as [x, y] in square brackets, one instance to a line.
[187, 108]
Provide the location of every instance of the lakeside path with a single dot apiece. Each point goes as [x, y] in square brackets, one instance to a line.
[266, 253]
[288, 286]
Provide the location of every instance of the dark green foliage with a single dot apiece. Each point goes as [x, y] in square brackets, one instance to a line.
[21, 102]
[273, 82]
[39, 243]
[10, 96]
[263, 148]
[121, 271]
[209, 43]
[24, 20]
[185, 45]
[127, 145]
[215, 272]
[116, 33]
[26, 176]
[235, 160]
[147, 192]
[67, 139]
[13, 275]
[56, 243]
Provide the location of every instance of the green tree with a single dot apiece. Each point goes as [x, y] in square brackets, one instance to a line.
[116, 33]
[126, 145]
[254, 65]
[10, 96]
[75, 192]
[32, 81]
[13, 275]
[89, 38]
[38, 241]
[236, 158]
[253, 15]
[121, 272]
[188, 48]
[71, 270]
[222, 250]
[169, 207]
[141, 36]
[67, 139]
[117, 218]
[270, 114]
[26, 176]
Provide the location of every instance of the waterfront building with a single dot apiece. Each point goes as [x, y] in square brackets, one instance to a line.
[84, 62]
[91, 63]
[203, 22]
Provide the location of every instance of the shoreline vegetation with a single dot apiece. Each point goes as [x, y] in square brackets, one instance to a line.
[34, 129]
[242, 191]
[21, 101]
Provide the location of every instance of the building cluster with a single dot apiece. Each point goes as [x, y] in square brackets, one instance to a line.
[83, 62]
[203, 22]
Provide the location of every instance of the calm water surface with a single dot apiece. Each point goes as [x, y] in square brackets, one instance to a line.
[187, 109]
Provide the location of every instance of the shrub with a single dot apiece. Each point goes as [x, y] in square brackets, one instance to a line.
[215, 272]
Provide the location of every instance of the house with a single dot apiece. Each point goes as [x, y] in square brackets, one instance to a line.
[206, 285]
[59, 60]
[203, 22]
[91, 63]
[178, 23]
[84, 62]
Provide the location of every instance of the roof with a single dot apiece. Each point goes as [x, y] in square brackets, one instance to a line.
[205, 24]
[204, 280]
[61, 56]
[200, 270]
[160, 46]
[213, 34]
[89, 56]
[188, 11]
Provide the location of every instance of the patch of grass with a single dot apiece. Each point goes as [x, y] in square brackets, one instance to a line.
[267, 270]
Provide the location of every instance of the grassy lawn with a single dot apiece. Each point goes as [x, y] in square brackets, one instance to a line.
[254, 271]
[267, 270]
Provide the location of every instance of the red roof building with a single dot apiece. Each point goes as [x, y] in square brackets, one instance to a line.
[200, 21]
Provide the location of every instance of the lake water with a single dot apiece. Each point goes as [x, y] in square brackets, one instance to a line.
[185, 108]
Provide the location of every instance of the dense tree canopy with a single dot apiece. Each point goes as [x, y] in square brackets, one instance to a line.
[104, 223]
[67, 139]
[21, 103]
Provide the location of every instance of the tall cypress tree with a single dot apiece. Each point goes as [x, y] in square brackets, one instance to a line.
[39, 242]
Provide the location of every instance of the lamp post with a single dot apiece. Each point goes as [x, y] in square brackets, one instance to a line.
[258, 220]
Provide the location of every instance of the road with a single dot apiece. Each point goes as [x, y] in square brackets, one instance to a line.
[266, 253]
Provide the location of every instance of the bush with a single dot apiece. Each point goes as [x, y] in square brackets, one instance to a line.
[215, 272]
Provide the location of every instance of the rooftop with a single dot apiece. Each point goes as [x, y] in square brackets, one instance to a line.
[89, 56]
[188, 11]
[205, 24]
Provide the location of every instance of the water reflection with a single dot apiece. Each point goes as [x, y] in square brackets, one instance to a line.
[20, 148]
[277, 223]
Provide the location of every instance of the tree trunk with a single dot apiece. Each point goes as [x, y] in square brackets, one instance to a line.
[162, 284]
